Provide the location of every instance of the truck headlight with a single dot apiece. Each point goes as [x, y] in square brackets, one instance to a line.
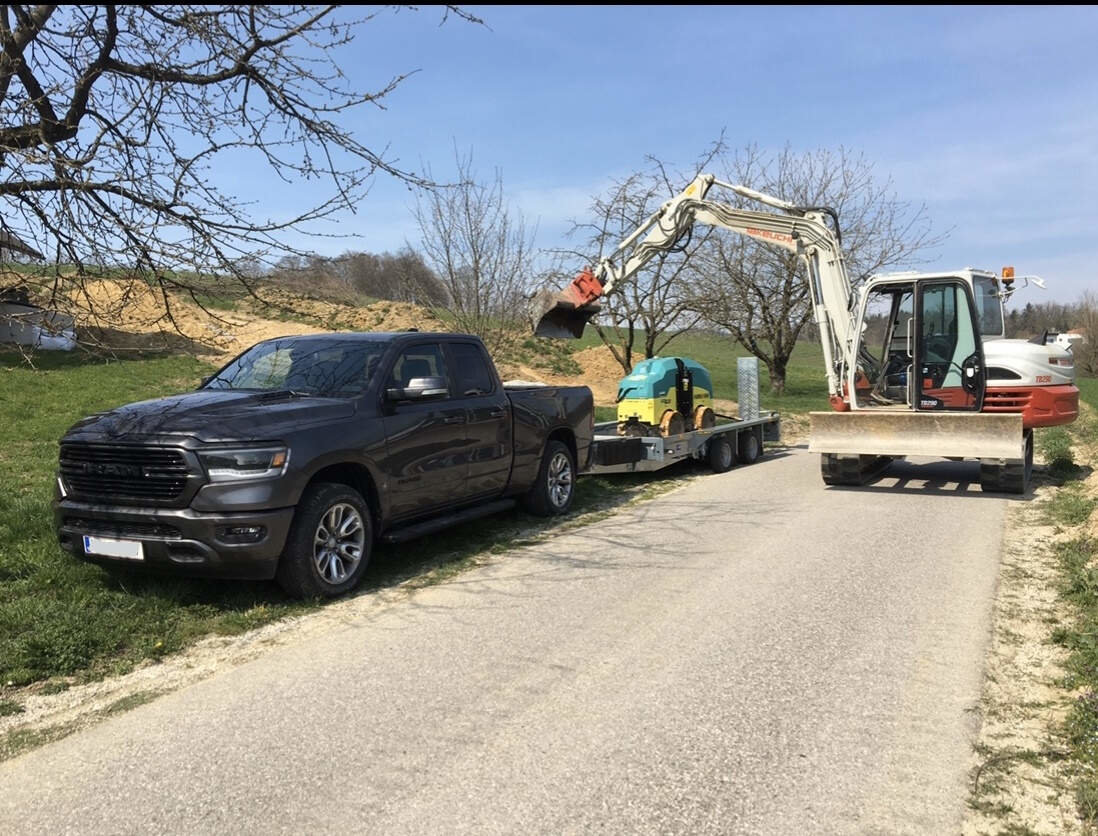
[1066, 362]
[246, 463]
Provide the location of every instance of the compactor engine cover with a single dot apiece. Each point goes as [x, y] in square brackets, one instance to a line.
[662, 384]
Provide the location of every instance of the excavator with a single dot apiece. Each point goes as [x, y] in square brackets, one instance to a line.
[917, 364]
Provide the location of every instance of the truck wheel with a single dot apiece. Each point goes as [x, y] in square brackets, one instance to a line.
[555, 485]
[750, 447]
[721, 454]
[329, 543]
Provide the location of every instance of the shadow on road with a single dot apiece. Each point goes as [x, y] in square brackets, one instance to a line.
[938, 478]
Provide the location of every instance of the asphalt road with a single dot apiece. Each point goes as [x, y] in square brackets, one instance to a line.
[753, 653]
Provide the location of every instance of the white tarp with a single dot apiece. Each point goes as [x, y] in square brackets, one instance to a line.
[36, 327]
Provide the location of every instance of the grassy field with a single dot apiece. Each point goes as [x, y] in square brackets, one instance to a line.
[62, 620]
[1071, 510]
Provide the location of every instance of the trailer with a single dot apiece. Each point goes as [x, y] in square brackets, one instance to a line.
[737, 440]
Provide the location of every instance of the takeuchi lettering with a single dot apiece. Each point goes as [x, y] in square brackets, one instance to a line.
[765, 233]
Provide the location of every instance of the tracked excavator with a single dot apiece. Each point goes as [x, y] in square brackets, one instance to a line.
[916, 363]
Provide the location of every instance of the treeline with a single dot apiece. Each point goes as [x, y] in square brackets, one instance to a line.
[402, 276]
[1033, 320]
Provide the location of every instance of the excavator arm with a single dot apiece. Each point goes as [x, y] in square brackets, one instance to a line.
[802, 230]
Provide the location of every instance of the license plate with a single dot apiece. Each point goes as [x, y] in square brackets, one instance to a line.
[109, 547]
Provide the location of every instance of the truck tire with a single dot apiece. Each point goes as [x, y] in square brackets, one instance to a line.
[721, 454]
[329, 544]
[555, 485]
[750, 446]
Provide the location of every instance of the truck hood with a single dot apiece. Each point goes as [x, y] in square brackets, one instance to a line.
[214, 416]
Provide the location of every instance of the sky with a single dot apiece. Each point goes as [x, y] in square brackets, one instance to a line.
[987, 115]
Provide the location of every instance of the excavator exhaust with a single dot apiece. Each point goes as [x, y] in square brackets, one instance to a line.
[564, 315]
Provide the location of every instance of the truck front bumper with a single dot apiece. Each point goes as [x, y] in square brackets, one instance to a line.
[243, 545]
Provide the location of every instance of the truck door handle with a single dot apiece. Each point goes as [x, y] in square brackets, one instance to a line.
[454, 419]
[497, 413]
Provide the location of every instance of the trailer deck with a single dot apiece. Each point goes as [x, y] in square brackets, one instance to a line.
[613, 453]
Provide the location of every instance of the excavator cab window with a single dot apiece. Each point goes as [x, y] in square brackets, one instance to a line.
[949, 354]
[884, 358]
[989, 306]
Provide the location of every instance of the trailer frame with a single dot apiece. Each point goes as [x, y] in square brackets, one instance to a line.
[613, 453]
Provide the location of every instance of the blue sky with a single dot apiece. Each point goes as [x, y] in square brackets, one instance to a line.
[987, 115]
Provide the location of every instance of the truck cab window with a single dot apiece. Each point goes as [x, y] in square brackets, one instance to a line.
[316, 366]
[419, 361]
[471, 370]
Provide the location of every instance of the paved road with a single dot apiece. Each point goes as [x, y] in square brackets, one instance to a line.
[753, 653]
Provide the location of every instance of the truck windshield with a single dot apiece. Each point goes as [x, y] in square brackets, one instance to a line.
[989, 307]
[331, 367]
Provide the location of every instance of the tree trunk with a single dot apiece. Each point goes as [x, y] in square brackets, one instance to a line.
[776, 367]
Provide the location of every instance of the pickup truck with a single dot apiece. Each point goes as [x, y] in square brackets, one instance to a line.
[294, 459]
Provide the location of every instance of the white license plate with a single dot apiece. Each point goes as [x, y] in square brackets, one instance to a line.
[108, 546]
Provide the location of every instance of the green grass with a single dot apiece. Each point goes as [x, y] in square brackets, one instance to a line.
[1088, 390]
[63, 620]
[1054, 444]
[1077, 558]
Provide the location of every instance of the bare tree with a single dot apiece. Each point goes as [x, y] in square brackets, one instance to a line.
[481, 250]
[403, 276]
[759, 293]
[1086, 353]
[113, 115]
[648, 311]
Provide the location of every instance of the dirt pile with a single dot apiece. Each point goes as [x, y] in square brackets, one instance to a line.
[601, 372]
[128, 315]
[383, 315]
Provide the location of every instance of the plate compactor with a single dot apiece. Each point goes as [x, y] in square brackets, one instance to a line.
[665, 396]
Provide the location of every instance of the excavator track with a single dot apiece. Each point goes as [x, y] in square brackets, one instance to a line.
[852, 471]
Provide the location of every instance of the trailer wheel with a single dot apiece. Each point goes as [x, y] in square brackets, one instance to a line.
[721, 454]
[750, 446]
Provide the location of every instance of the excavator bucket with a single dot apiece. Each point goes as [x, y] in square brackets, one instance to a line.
[561, 318]
[944, 435]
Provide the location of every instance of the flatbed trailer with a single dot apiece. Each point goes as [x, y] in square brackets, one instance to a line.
[736, 441]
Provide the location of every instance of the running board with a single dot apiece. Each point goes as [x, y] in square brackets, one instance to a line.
[966, 435]
[415, 530]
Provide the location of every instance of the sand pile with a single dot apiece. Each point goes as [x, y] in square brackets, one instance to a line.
[130, 315]
[383, 315]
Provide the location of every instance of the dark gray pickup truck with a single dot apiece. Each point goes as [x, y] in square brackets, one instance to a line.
[296, 457]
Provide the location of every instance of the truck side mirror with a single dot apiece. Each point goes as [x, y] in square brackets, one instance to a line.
[419, 389]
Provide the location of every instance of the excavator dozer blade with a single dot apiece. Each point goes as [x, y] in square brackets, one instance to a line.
[559, 318]
[944, 435]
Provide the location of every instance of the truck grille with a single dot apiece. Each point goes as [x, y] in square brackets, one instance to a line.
[134, 475]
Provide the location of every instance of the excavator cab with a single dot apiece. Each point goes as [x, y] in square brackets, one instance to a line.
[920, 348]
